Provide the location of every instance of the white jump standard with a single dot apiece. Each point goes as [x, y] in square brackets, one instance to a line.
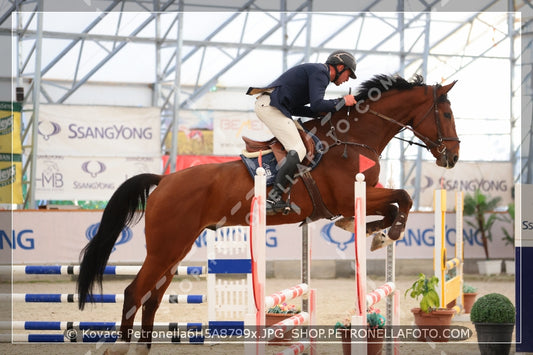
[363, 300]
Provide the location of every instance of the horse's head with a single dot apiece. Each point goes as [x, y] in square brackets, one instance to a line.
[403, 104]
[436, 127]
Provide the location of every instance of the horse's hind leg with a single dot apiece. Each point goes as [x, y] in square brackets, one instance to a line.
[150, 306]
[147, 287]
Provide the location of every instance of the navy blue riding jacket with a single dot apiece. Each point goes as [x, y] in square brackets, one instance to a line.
[299, 86]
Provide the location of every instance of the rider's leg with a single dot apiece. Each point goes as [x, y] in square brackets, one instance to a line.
[281, 126]
[284, 178]
[284, 129]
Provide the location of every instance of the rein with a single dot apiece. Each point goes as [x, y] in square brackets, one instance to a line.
[428, 143]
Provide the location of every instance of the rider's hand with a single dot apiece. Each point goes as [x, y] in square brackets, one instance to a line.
[349, 100]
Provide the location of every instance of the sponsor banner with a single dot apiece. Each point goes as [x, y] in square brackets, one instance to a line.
[99, 131]
[492, 178]
[186, 161]
[229, 127]
[11, 179]
[87, 178]
[42, 237]
[10, 127]
[58, 237]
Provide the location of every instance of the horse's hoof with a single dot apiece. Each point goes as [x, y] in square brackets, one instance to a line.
[380, 240]
[398, 227]
[348, 224]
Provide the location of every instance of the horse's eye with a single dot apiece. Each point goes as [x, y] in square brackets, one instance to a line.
[448, 115]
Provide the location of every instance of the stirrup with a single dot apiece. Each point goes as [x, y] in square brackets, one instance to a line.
[275, 207]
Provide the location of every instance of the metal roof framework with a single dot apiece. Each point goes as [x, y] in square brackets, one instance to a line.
[162, 26]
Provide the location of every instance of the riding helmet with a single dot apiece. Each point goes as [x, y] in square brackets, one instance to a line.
[343, 57]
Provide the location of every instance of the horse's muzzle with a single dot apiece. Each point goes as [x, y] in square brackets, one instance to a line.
[447, 160]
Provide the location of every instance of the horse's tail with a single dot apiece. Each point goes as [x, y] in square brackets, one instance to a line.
[119, 212]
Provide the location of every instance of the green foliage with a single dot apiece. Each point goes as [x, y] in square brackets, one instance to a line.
[84, 205]
[479, 205]
[375, 320]
[284, 308]
[493, 308]
[469, 289]
[427, 288]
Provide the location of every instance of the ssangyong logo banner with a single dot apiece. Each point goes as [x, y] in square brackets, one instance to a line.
[87, 178]
[57, 237]
[491, 178]
[99, 131]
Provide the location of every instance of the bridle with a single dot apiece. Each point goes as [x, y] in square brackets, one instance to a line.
[428, 143]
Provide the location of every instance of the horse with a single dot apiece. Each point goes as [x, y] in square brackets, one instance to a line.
[186, 202]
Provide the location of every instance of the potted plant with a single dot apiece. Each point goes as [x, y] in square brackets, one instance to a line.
[508, 237]
[481, 207]
[374, 320]
[277, 314]
[469, 296]
[429, 316]
[493, 316]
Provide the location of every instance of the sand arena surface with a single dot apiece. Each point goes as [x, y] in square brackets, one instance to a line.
[334, 298]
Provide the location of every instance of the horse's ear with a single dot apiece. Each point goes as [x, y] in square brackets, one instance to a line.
[444, 90]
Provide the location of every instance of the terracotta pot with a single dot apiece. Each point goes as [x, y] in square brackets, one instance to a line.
[273, 318]
[468, 301]
[374, 344]
[433, 324]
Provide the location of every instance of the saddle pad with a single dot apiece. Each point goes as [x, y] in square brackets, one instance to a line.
[270, 163]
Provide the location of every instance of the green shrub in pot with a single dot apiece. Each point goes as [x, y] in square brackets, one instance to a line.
[493, 316]
[493, 308]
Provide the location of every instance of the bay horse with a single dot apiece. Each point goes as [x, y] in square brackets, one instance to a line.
[186, 202]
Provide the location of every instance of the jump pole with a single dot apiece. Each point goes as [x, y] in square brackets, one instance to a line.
[128, 270]
[224, 246]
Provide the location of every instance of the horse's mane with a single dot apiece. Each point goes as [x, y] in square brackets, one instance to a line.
[383, 82]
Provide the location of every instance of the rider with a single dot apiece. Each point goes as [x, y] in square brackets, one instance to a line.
[289, 95]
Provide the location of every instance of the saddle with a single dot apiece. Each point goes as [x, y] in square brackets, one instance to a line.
[313, 147]
[253, 147]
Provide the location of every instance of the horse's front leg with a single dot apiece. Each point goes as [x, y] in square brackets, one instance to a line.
[374, 228]
[394, 205]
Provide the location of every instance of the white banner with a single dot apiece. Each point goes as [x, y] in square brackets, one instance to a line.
[57, 237]
[229, 127]
[99, 131]
[492, 178]
[87, 178]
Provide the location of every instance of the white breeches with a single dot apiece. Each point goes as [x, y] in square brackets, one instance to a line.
[281, 126]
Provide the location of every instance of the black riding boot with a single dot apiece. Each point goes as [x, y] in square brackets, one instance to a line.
[284, 177]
